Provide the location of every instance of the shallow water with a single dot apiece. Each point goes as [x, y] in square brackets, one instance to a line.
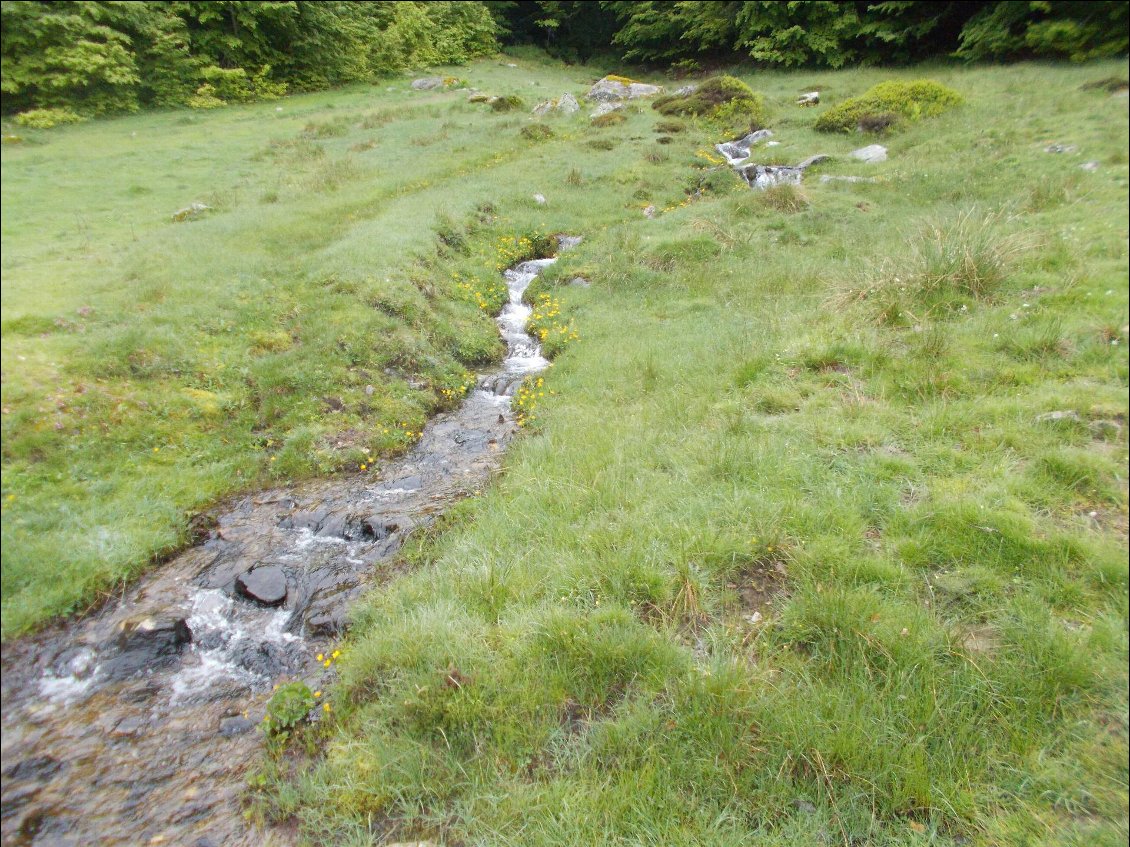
[136, 724]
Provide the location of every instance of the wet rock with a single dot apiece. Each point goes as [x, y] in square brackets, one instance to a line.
[265, 584]
[766, 176]
[235, 726]
[812, 160]
[871, 153]
[612, 88]
[146, 642]
[427, 83]
[328, 623]
[812, 98]
[189, 212]
[738, 150]
[128, 727]
[566, 104]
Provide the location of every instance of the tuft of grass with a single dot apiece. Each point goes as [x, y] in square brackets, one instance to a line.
[788, 199]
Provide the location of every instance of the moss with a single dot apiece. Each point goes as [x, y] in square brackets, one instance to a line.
[536, 132]
[909, 101]
[609, 119]
[722, 99]
[623, 80]
[508, 103]
[670, 127]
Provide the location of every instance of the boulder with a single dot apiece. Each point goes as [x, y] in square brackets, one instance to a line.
[1060, 148]
[190, 212]
[566, 104]
[618, 88]
[685, 90]
[265, 584]
[832, 178]
[871, 153]
[605, 108]
[812, 98]
[427, 83]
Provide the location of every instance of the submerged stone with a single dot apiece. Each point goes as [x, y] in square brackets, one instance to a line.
[266, 585]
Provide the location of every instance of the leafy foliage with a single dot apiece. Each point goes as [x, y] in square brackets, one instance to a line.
[289, 706]
[104, 57]
[887, 102]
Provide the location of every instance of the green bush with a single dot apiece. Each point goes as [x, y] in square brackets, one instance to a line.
[722, 99]
[47, 118]
[910, 101]
[289, 706]
[508, 103]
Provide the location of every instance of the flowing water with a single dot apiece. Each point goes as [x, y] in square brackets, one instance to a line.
[136, 724]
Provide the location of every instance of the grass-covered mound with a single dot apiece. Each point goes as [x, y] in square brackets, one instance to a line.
[723, 99]
[889, 104]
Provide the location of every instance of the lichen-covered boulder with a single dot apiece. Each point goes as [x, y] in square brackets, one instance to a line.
[617, 88]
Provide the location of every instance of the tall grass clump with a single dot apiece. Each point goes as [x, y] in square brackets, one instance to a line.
[945, 266]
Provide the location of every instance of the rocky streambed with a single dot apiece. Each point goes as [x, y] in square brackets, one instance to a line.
[136, 724]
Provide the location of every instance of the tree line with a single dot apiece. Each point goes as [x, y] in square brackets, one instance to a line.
[92, 57]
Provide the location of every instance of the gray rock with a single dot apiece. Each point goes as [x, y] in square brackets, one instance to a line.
[540, 199]
[812, 160]
[265, 584]
[685, 90]
[833, 178]
[568, 242]
[1060, 148]
[427, 83]
[605, 108]
[566, 104]
[1090, 166]
[812, 98]
[871, 153]
[609, 90]
[649, 212]
[189, 212]
[579, 282]
[738, 150]
[1059, 416]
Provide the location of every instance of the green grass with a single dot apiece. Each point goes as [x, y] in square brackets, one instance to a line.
[823, 407]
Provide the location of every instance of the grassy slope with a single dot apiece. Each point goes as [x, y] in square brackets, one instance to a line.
[151, 367]
[572, 661]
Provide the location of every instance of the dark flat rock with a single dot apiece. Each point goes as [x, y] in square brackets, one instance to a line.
[266, 585]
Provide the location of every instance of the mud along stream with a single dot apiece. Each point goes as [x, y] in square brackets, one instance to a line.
[135, 725]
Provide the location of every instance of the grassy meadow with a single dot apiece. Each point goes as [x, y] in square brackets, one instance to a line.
[818, 533]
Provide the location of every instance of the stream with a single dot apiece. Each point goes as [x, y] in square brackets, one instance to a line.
[137, 724]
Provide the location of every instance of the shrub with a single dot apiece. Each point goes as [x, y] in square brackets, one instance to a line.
[722, 99]
[508, 103]
[895, 100]
[536, 132]
[47, 118]
[609, 119]
[289, 706]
